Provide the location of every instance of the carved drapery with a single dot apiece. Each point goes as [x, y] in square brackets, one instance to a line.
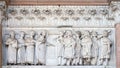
[25, 18]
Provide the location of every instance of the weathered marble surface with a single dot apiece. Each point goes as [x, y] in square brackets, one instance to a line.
[52, 51]
[25, 18]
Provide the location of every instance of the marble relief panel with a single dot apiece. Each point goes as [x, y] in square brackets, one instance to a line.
[59, 46]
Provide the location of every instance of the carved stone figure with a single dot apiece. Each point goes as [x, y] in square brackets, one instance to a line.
[21, 48]
[11, 44]
[30, 43]
[104, 48]
[94, 48]
[68, 46]
[60, 49]
[40, 48]
[78, 57]
[86, 43]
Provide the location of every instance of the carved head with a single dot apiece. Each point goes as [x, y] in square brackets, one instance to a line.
[22, 34]
[12, 34]
[94, 33]
[85, 33]
[79, 33]
[106, 33]
[43, 33]
[68, 33]
[32, 33]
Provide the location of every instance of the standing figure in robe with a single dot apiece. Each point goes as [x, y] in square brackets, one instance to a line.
[40, 48]
[104, 48]
[30, 43]
[60, 49]
[86, 44]
[21, 48]
[94, 48]
[78, 57]
[68, 47]
[11, 44]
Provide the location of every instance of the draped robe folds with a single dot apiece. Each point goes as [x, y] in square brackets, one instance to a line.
[95, 47]
[86, 47]
[105, 47]
[40, 50]
[69, 50]
[21, 51]
[12, 50]
[29, 50]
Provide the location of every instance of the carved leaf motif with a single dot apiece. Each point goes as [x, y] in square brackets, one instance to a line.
[58, 12]
[31, 18]
[13, 12]
[41, 18]
[114, 8]
[81, 12]
[87, 18]
[47, 12]
[36, 11]
[75, 18]
[104, 12]
[110, 18]
[92, 12]
[70, 12]
[64, 18]
[24, 11]
[19, 18]
[98, 18]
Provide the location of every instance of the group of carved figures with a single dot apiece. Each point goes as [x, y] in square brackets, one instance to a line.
[76, 48]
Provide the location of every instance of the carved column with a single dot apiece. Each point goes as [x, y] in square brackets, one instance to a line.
[2, 16]
[114, 8]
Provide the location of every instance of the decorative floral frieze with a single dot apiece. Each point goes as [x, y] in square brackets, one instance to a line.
[115, 6]
[36, 11]
[70, 12]
[58, 12]
[19, 18]
[47, 12]
[104, 12]
[92, 12]
[81, 12]
[42, 18]
[64, 18]
[66, 15]
[24, 11]
[76, 18]
[13, 12]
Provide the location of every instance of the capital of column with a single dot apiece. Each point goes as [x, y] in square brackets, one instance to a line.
[115, 6]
